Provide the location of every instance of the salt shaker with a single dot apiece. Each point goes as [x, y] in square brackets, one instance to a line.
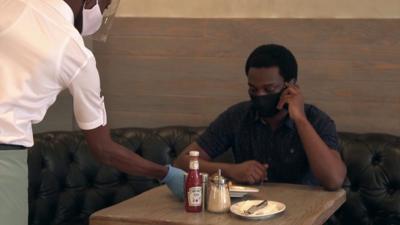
[219, 200]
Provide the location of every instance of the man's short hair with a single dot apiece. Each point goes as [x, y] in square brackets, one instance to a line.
[271, 55]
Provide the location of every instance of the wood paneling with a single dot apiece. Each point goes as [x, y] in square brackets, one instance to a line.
[159, 72]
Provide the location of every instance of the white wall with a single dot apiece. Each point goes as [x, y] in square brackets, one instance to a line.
[261, 8]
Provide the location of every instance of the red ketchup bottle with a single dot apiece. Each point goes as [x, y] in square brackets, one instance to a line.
[193, 185]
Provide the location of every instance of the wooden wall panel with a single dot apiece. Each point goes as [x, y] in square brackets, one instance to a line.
[158, 72]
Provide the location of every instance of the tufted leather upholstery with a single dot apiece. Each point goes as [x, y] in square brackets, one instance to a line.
[67, 184]
[373, 184]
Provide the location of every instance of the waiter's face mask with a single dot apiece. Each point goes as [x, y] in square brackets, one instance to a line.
[91, 19]
[97, 20]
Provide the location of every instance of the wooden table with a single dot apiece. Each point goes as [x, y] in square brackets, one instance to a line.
[304, 206]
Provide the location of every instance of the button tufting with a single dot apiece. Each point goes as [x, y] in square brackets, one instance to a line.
[376, 159]
[354, 188]
[390, 189]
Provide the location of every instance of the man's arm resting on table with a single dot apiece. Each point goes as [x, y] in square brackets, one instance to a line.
[249, 171]
[326, 164]
[112, 154]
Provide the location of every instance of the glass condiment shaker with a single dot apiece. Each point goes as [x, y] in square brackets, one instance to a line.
[219, 200]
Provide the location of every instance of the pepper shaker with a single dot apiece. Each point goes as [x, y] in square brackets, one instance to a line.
[204, 178]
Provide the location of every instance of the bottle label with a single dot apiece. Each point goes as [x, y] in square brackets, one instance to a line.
[194, 196]
[194, 165]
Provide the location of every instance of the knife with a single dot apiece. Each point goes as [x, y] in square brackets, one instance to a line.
[254, 208]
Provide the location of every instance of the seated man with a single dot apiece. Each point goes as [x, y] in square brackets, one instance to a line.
[274, 136]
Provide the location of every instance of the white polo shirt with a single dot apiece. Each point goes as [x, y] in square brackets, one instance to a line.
[41, 53]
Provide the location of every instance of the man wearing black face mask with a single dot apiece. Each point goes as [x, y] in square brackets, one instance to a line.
[274, 136]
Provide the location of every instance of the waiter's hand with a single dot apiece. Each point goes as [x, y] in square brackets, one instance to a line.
[294, 98]
[251, 172]
[175, 181]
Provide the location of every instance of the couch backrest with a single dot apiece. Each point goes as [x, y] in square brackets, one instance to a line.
[373, 171]
[67, 184]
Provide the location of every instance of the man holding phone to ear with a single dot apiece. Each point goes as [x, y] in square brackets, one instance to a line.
[275, 136]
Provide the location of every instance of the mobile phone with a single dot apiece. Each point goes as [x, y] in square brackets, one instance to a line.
[292, 81]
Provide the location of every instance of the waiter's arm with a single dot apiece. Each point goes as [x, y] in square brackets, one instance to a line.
[91, 117]
[112, 154]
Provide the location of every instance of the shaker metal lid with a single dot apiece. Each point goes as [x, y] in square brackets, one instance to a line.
[204, 177]
[217, 178]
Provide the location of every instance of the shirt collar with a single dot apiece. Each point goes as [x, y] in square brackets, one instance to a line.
[288, 122]
[65, 10]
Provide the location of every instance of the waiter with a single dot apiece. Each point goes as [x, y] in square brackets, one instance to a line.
[42, 53]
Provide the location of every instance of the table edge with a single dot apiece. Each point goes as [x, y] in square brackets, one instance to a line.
[323, 217]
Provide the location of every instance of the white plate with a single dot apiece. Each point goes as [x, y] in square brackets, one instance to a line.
[237, 194]
[237, 188]
[272, 209]
[236, 191]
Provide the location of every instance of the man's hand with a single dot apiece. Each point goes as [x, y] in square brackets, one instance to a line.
[251, 172]
[294, 98]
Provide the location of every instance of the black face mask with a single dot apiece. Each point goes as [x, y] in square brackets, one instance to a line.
[266, 105]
